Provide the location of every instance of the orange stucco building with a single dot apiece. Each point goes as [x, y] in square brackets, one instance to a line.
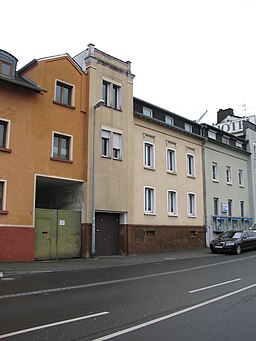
[43, 156]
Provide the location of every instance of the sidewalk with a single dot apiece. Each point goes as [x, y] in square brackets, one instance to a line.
[25, 268]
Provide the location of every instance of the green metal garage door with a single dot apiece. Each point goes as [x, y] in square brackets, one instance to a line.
[57, 234]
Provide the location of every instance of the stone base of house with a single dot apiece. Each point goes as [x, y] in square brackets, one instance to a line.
[146, 239]
[17, 244]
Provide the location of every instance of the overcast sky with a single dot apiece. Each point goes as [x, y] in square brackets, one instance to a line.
[188, 56]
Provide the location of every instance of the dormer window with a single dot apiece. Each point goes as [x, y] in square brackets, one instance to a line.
[5, 69]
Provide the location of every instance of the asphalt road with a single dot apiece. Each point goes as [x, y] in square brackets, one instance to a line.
[211, 298]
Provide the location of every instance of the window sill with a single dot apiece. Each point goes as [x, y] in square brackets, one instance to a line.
[149, 168]
[214, 180]
[150, 213]
[4, 212]
[61, 160]
[172, 173]
[64, 105]
[5, 150]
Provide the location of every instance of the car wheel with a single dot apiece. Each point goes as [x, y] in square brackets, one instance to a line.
[238, 249]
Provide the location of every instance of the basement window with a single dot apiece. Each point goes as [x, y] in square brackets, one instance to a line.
[151, 233]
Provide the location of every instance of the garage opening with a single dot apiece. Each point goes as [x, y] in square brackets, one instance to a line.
[59, 204]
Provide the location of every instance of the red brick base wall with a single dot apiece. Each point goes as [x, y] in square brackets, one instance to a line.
[146, 239]
[17, 244]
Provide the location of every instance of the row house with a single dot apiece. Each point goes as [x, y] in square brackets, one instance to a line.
[226, 181]
[43, 155]
[243, 127]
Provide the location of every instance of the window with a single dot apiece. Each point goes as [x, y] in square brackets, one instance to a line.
[171, 160]
[190, 165]
[149, 151]
[116, 96]
[3, 134]
[147, 112]
[254, 149]
[117, 146]
[106, 92]
[215, 175]
[215, 206]
[172, 206]
[169, 120]
[2, 195]
[242, 208]
[111, 94]
[212, 134]
[105, 142]
[149, 200]
[239, 145]
[111, 144]
[5, 69]
[228, 175]
[191, 204]
[240, 178]
[61, 147]
[188, 127]
[64, 93]
[225, 139]
[229, 207]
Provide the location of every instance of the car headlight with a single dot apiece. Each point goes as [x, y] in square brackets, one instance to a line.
[230, 243]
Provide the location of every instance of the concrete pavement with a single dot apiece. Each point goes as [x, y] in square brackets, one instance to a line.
[28, 268]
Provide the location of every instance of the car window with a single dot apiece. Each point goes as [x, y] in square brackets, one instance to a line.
[237, 235]
[246, 234]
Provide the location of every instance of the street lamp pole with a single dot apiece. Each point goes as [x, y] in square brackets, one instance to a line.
[98, 104]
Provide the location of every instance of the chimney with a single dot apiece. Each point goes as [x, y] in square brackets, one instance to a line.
[223, 113]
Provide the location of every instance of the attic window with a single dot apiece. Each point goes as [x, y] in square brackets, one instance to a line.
[5, 69]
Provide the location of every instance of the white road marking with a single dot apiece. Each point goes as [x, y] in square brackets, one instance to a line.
[89, 285]
[215, 285]
[23, 331]
[160, 319]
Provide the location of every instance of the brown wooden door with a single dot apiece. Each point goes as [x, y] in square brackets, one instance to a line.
[107, 234]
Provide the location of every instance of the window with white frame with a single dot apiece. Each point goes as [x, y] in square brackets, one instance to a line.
[171, 160]
[4, 133]
[240, 177]
[2, 195]
[215, 206]
[105, 143]
[62, 147]
[188, 127]
[239, 145]
[149, 155]
[147, 112]
[228, 175]
[191, 198]
[64, 93]
[212, 134]
[191, 165]
[111, 94]
[111, 144]
[116, 96]
[106, 86]
[149, 200]
[215, 174]
[172, 202]
[254, 149]
[117, 146]
[225, 139]
[169, 120]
